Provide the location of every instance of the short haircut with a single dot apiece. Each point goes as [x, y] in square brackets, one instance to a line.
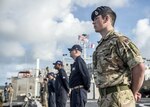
[104, 11]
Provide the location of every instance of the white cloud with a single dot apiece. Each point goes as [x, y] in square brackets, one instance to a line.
[43, 22]
[45, 27]
[118, 3]
[7, 26]
[48, 22]
[143, 36]
[45, 51]
[112, 3]
[11, 49]
[142, 32]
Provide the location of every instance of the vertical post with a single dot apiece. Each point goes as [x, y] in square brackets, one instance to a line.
[36, 76]
[93, 91]
[84, 51]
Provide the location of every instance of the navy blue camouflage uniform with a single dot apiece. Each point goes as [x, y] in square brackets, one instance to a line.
[79, 77]
[61, 88]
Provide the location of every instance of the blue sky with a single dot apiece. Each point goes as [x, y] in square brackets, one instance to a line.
[44, 29]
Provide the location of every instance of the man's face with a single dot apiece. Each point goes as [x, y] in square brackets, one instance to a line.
[56, 66]
[98, 23]
[50, 77]
[72, 53]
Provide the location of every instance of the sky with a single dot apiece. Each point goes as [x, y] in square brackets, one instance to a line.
[44, 29]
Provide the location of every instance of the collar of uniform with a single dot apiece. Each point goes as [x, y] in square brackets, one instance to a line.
[61, 69]
[108, 35]
[76, 58]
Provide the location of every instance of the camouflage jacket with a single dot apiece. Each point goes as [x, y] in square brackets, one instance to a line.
[1, 99]
[113, 60]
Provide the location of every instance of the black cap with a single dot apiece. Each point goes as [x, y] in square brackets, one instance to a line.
[75, 47]
[58, 62]
[99, 11]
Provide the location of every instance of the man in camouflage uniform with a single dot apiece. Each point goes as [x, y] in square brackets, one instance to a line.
[43, 93]
[1, 99]
[10, 93]
[118, 65]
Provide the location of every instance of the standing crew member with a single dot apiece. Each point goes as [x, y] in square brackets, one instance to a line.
[44, 92]
[51, 89]
[1, 99]
[6, 92]
[10, 93]
[79, 80]
[61, 85]
[117, 63]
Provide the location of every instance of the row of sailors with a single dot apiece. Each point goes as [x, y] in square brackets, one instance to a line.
[55, 91]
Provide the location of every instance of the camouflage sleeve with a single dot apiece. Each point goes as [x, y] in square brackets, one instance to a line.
[94, 60]
[95, 68]
[1, 99]
[128, 52]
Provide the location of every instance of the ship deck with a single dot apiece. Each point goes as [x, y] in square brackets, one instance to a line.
[145, 102]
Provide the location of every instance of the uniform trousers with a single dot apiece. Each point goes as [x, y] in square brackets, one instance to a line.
[44, 99]
[51, 100]
[78, 97]
[122, 98]
[61, 99]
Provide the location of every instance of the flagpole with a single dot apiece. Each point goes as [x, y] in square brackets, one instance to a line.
[36, 76]
[84, 51]
[82, 39]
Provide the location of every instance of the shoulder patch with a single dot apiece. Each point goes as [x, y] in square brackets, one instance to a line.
[124, 39]
[73, 69]
[64, 77]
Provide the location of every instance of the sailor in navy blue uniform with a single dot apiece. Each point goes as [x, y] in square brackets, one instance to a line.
[79, 80]
[51, 89]
[61, 85]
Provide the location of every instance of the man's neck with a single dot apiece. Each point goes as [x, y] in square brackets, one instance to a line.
[76, 57]
[106, 31]
[60, 68]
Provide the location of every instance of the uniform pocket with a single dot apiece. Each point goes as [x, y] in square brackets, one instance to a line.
[83, 93]
[124, 98]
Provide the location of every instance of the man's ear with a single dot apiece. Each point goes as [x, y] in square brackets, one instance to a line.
[106, 18]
